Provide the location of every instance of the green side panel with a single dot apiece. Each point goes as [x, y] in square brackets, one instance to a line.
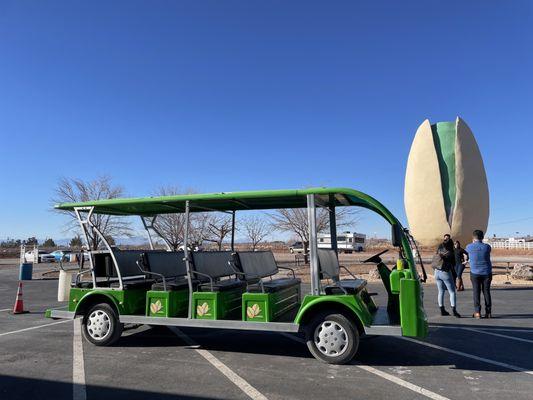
[444, 135]
[217, 305]
[167, 304]
[205, 305]
[256, 307]
[48, 313]
[352, 302]
[413, 317]
[127, 301]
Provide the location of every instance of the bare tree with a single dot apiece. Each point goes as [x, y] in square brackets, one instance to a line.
[256, 229]
[198, 229]
[171, 226]
[77, 190]
[218, 228]
[294, 220]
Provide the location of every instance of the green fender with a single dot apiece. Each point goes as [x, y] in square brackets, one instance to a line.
[78, 297]
[353, 303]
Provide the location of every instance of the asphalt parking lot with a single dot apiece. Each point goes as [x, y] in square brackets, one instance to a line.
[462, 358]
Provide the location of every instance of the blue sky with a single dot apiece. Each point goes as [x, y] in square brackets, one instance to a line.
[236, 95]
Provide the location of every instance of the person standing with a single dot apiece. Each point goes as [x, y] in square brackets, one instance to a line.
[480, 273]
[444, 263]
[461, 258]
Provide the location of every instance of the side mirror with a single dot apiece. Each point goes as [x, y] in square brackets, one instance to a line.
[396, 235]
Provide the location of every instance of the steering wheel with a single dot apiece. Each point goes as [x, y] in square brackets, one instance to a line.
[376, 257]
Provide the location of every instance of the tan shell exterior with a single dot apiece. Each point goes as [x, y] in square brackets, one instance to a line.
[423, 197]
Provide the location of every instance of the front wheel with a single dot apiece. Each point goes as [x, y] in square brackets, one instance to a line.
[332, 338]
[101, 325]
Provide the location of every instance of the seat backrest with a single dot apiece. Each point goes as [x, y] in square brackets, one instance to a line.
[328, 264]
[170, 264]
[216, 264]
[127, 262]
[257, 264]
[103, 265]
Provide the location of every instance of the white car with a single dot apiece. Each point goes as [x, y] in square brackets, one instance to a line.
[43, 256]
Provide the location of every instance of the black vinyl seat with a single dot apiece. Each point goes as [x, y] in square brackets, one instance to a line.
[168, 268]
[174, 285]
[215, 271]
[258, 265]
[134, 284]
[274, 285]
[330, 269]
[222, 285]
[351, 286]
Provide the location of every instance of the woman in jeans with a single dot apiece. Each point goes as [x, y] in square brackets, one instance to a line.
[461, 258]
[444, 277]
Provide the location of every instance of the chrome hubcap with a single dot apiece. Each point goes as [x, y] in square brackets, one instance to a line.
[98, 325]
[331, 339]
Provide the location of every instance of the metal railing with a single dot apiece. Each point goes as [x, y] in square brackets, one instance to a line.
[511, 245]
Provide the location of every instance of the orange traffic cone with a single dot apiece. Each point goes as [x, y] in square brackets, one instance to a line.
[19, 305]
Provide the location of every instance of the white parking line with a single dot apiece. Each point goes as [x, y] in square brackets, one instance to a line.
[78, 365]
[467, 355]
[488, 332]
[248, 389]
[517, 330]
[394, 379]
[6, 309]
[401, 382]
[35, 327]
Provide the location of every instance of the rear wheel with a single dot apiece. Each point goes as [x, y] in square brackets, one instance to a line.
[101, 325]
[332, 338]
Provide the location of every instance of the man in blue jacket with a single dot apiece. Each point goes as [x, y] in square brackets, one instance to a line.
[480, 273]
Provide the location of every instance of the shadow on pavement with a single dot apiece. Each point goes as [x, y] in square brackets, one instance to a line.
[377, 351]
[13, 387]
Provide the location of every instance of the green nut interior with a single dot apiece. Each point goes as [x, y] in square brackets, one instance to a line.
[444, 134]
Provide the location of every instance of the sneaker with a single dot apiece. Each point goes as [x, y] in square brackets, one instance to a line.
[476, 315]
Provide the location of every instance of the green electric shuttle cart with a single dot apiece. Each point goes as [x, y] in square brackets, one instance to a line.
[242, 290]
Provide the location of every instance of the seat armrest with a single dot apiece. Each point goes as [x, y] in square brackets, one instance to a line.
[290, 269]
[153, 273]
[207, 276]
[347, 270]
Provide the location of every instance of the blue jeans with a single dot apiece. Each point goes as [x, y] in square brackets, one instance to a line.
[459, 268]
[445, 281]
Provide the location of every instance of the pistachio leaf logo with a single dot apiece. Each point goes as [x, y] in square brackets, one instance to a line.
[156, 306]
[253, 311]
[202, 309]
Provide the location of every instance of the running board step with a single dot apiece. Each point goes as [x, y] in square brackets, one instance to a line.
[220, 324]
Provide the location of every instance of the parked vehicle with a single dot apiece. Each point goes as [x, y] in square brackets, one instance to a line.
[44, 257]
[242, 289]
[296, 247]
[347, 242]
[61, 255]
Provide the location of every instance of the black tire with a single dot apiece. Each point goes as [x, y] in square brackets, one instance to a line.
[101, 326]
[340, 330]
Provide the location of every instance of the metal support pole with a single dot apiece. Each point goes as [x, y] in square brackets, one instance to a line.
[187, 259]
[147, 229]
[333, 223]
[233, 231]
[313, 247]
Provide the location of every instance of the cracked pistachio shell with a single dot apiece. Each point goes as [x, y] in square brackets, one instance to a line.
[446, 187]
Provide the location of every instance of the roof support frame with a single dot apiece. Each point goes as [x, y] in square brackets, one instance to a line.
[89, 223]
[333, 225]
[151, 225]
[187, 258]
[313, 247]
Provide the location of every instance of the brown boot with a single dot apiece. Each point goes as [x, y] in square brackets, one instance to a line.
[460, 287]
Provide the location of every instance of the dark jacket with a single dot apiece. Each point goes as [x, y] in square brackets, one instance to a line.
[460, 255]
[448, 258]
